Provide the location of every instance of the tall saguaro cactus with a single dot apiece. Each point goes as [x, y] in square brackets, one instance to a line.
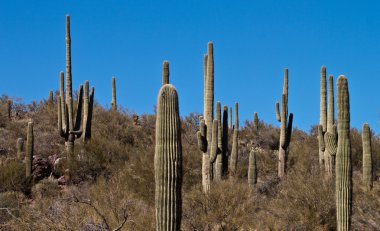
[168, 161]
[235, 142]
[207, 129]
[165, 72]
[367, 156]
[29, 150]
[71, 128]
[225, 140]
[322, 116]
[330, 136]
[286, 127]
[113, 101]
[343, 170]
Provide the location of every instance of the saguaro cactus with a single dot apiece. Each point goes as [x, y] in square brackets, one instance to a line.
[9, 109]
[113, 101]
[29, 150]
[165, 72]
[230, 119]
[252, 170]
[225, 140]
[235, 143]
[50, 99]
[88, 104]
[219, 158]
[205, 134]
[322, 116]
[286, 128]
[367, 156]
[343, 171]
[19, 147]
[69, 128]
[256, 121]
[330, 136]
[168, 161]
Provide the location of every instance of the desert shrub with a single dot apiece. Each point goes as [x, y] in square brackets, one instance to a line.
[12, 177]
[47, 187]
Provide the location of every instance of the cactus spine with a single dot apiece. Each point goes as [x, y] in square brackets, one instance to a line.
[322, 116]
[367, 156]
[252, 170]
[19, 147]
[286, 127]
[205, 134]
[330, 137]
[343, 169]
[113, 101]
[29, 150]
[234, 151]
[168, 161]
[165, 72]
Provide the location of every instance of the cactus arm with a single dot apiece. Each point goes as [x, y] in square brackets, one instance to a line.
[321, 138]
[214, 141]
[78, 120]
[289, 130]
[323, 104]
[165, 72]
[367, 157]
[278, 116]
[62, 99]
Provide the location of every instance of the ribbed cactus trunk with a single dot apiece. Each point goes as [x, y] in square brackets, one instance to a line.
[343, 184]
[29, 150]
[225, 140]
[113, 101]
[20, 147]
[286, 127]
[235, 143]
[330, 136]
[367, 157]
[322, 116]
[218, 166]
[165, 72]
[205, 135]
[252, 170]
[168, 161]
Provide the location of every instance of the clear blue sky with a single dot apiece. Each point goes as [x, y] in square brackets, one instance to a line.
[253, 42]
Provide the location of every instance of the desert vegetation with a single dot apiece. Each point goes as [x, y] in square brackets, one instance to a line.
[183, 172]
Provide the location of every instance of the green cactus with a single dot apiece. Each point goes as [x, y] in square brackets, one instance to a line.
[205, 134]
[88, 104]
[286, 128]
[168, 161]
[50, 99]
[69, 128]
[343, 171]
[322, 116]
[9, 109]
[29, 150]
[165, 72]
[252, 170]
[230, 119]
[367, 157]
[256, 122]
[20, 147]
[225, 140]
[113, 101]
[218, 165]
[235, 143]
[330, 136]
